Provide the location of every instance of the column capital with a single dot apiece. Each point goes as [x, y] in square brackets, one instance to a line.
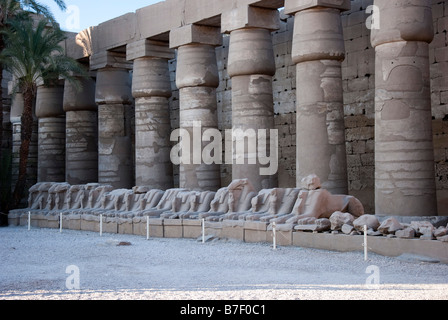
[109, 59]
[250, 17]
[49, 101]
[415, 21]
[80, 99]
[149, 48]
[294, 6]
[195, 34]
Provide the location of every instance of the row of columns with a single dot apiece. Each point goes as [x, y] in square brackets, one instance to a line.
[404, 160]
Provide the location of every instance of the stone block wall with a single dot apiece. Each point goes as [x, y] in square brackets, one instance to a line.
[438, 55]
[358, 72]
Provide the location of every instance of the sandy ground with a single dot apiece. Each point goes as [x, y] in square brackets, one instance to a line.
[44, 264]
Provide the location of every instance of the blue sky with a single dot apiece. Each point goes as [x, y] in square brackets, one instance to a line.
[82, 14]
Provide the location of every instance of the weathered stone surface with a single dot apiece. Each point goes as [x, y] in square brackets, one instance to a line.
[313, 224]
[422, 227]
[338, 219]
[347, 228]
[426, 232]
[369, 220]
[151, 88]
[323, 224]
[293, 6]
[406, 233]
[440, 232]
[311, 182]
[305, 221]
[390, 226]
[193, 33]
[248, 16]
[81, 138]
[114, 98]
[51, 134]
[197, 78]
[251, 66]
[404, 155]
[320, 203]
[371, 232]
[317, 50]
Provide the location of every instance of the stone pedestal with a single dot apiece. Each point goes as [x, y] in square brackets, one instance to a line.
[51, 134]
[251, 66]
[404, 154]
[192, 229]
[197, 78]
[318, 51]
[151, 88]
[81, 147]
[114, 98]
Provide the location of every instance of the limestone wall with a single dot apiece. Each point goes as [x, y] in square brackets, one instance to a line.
[438, 55]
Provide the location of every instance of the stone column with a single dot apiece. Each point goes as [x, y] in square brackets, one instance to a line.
[151, 88]
[81, 148]
[114, 98]
[51, 134]
[318, 51]
[251, 66]
[197, 78]
[404, 154]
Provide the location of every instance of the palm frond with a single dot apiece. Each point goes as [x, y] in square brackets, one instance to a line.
[34, 54]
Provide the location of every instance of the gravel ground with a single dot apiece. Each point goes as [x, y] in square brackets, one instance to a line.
[34, 266]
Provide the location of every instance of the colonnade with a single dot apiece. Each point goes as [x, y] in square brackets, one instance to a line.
[133, 87]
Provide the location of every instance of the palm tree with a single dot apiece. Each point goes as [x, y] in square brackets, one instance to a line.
[34, 54]
[15, 9]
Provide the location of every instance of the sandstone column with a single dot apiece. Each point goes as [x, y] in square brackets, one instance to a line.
[251, 66]
[151, 88]
[81, 148]
[197, 78]
[318, 51]
[51, 134]
[404, 155]
[114, 98]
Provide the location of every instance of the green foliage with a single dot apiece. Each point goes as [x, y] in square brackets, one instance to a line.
[33, 54]
[13, 8]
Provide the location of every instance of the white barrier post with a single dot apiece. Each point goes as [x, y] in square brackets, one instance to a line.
[203, 230]
[29, 220]
[101, 225]
[60, 222]
[274, 236]
[147, 227]
[365, 243]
